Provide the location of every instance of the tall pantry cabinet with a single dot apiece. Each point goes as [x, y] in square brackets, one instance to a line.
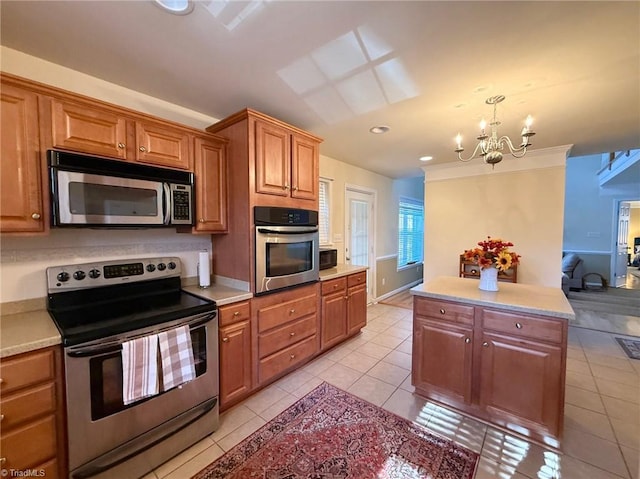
[270, 163]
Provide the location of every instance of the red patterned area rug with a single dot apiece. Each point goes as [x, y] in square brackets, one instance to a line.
[331, 434]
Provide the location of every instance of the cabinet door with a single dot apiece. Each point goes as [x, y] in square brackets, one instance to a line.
[522, 378]
[21, 202]
[211, 186]
[87, 128]
[235, 362]
[442, 356]
[357, 308]
[162, 146]
[334, 319]
[273, 158]
[305, 157]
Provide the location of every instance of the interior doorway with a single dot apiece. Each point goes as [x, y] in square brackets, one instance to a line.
[359, 245]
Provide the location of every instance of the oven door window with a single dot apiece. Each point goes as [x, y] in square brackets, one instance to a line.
[106, 377]
[289, 258]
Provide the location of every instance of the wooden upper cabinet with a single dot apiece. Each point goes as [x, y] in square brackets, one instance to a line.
[211, 185]
[162, 146]
[273, 159]
[21, 201]
[89, 129]
[305, 157]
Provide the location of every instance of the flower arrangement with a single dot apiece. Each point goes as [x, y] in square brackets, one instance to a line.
[493, 252]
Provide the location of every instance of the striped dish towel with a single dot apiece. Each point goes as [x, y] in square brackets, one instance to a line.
[177, 357]
[139, 368]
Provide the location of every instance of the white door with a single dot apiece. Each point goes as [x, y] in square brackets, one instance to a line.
[359, 227]
[624, 214]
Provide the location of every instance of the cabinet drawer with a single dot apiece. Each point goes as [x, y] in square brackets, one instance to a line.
[443, 310]
[334, 285]
[233, 313]
[523, 326]
[287, 358]
[287, 335]
[31, 445]
[26, 370]
[280, 314]
[356, 279]
[24, 406]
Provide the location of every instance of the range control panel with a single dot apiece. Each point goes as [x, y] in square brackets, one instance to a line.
[105, 273]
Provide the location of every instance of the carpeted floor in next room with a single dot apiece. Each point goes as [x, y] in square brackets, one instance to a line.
[602, 410]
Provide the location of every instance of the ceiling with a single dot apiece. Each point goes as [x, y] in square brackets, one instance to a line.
[338, 68]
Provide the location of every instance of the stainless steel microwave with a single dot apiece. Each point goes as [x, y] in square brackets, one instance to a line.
[98, 192]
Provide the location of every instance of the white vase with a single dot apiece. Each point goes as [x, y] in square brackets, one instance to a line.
[489, 279]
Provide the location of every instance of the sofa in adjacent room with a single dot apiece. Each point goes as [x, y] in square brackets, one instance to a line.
[572, 272]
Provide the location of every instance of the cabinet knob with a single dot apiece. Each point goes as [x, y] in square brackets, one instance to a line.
[3, 460]
[346, 297]
[467, 340]
[293, 356]
[225, 340]
[35, 216]
[121, 145]
[291, 311]
[442, 311]
[292, 334]
[142, 149]
[236, 313]
[1, 380]
[518, 325]
[485, 344]
[1, 417]
[201, 220]
[295, 188]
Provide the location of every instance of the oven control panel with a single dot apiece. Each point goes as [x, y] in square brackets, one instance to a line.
[105, 273]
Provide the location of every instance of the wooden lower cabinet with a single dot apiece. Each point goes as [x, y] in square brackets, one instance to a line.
[344, 308]
[507, 368]
[286, 326]
[235, 353]
[32, 413]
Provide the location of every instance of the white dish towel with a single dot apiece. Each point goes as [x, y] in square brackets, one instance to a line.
[139, 368]
[177, 357]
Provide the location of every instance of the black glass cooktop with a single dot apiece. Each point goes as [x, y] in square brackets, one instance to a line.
[89, 315]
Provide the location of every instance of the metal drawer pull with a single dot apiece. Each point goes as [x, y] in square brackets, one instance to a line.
[292, 334]
[236, 313]
[142, 149]
[3, 460]
[292, 311]
[518, 325]
[1, 417]
[442, 311]
[121, 145]
[225, 340]
[293, 356]
[467, 340]
[35, 216]
[1, 380]
[485, 344]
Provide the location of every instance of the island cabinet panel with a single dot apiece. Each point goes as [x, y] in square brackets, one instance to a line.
[21, 198]
[235, 353]
[32, 412]
[502, 366]
[442, 360]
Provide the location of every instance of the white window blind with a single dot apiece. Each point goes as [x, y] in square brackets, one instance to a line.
[410, 232]
[323, 211]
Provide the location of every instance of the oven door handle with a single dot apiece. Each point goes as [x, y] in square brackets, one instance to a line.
[279, 232]
[116, 345]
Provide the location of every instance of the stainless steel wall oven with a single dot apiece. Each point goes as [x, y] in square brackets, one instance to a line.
[100, 306]
[287, 248]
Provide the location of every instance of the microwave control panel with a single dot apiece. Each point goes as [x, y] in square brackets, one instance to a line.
[181, 204]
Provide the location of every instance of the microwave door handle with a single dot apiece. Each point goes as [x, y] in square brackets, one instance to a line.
[167, 203]
[269, 231]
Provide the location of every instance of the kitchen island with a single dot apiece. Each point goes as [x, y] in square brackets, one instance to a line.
[497, 356]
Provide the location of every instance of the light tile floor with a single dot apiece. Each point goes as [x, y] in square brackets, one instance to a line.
[602, 410]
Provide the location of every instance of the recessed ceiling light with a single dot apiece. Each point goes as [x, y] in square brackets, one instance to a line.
[379, 130]
[177, 7]
[426, 158]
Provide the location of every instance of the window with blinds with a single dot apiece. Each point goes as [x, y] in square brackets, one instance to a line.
[410, 232]
[323, 211]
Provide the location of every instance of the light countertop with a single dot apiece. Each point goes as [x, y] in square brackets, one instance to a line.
[340, 270]
[220, 294]
[526, 298]
[27, 331]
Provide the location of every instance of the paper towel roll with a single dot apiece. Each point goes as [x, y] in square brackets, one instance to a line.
[204, 274]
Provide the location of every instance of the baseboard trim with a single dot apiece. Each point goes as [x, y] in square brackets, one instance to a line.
[396, 291]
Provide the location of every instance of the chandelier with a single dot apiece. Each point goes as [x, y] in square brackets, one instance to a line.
[491, 146]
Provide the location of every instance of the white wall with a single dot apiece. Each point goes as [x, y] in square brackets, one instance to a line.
[521, 200]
